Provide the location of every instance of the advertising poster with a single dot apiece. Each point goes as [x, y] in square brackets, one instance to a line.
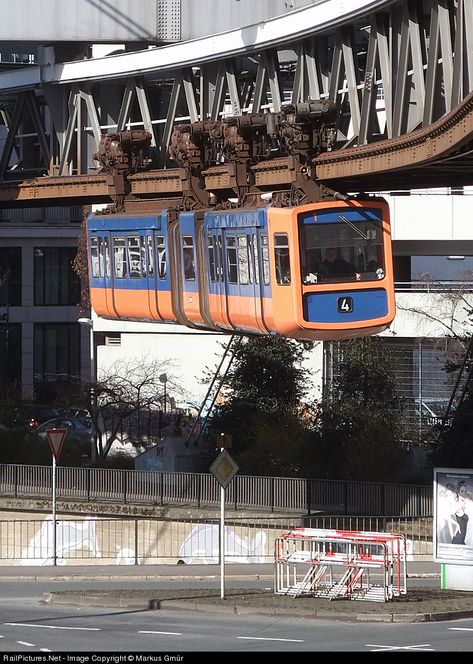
[453, 516]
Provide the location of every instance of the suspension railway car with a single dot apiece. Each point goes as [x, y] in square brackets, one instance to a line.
[317, 271]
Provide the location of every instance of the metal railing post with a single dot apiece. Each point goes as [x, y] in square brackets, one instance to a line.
[308, 490]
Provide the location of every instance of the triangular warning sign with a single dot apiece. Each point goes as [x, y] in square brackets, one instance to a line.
[55, 440]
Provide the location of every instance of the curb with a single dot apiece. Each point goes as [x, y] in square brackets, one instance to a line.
[102, 600]
[153, 577]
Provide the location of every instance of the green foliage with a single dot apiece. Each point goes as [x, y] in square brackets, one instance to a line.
[264, 388]
[454, 448]
[21, 445]
[360, 425]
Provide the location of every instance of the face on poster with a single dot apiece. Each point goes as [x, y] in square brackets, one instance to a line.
[453, 516]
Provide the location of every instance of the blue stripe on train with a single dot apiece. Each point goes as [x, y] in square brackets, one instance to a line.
[333, 216]
[130, 223]
[323, 307]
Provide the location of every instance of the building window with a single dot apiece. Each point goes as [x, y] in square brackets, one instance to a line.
[10, 276]
[56, 352]
[55, 282]
[10, 349]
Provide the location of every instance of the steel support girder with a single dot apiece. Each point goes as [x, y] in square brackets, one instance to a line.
[420, 62]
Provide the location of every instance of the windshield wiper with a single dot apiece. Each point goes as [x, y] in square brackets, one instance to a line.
[353, 227]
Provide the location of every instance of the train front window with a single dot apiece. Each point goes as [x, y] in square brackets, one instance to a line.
[341, 244]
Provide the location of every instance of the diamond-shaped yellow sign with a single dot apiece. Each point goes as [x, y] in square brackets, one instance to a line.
[224, 469]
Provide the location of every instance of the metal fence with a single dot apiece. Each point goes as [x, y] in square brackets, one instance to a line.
[274, 494]
[159, 541]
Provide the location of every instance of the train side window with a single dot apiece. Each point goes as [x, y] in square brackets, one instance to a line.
[281, 259]
[211, 250]
[188, 253]
[232, 259]
[220, 258]
[150, 252]
[134, 257]
[119, 257]
[243, 262]
[254, 264]
[161, 251]
[265, 259]
[143, 252]
[94, 256]
[107, 257]
[102, 257]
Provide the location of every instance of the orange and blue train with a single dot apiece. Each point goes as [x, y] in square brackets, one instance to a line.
[321, 271]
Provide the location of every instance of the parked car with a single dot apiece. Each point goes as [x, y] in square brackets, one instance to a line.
[72, 411]
[33, 415]
[431, 410]
[77, 428]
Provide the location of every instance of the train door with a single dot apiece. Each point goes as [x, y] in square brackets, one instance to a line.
[217, 284]
[190, 268]
[184, 285]
[262, 288]
[158, 274]
[243, 283]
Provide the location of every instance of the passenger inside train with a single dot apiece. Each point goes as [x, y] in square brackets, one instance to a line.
[335, 265]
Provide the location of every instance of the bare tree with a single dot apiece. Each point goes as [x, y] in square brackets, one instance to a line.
[127, 393]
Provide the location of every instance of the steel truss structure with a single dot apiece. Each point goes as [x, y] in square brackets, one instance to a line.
[397, 72]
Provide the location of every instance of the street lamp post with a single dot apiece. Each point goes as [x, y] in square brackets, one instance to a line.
[93, 379]
[164, 379]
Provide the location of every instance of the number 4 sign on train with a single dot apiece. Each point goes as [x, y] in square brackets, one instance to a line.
[55, 440]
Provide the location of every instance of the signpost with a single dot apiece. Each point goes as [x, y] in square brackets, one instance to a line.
[55, 439]
[224, 470]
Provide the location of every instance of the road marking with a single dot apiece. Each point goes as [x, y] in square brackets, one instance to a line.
[148, 631]
[461, 629]
[25, 643]
[264, 638]
[45, 650]
[423, 646]
[83, 629]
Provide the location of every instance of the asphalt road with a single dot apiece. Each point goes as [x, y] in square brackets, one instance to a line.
[29, 626]
[33, 628]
